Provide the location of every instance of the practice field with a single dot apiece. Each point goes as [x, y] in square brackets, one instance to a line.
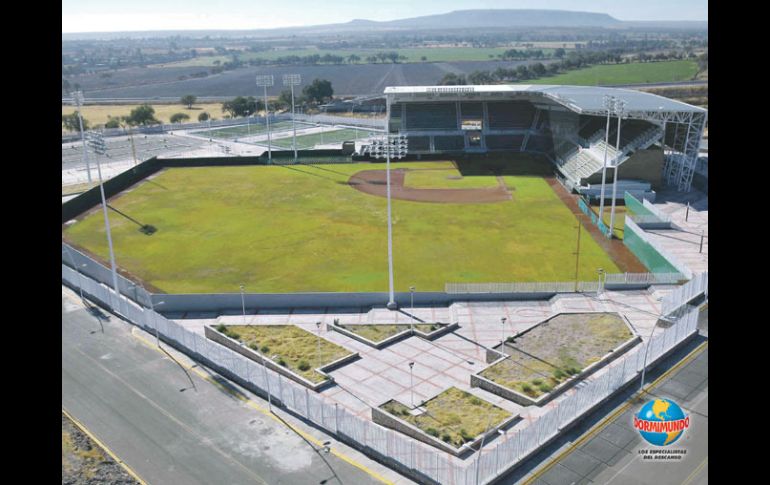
[245, 130]
[299, 228]
[325, 138]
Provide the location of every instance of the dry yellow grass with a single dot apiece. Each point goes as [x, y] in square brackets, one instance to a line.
[99, 114]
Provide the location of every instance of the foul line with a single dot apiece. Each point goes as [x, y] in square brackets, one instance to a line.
[104, 447]
[245, 399]
[607, 420]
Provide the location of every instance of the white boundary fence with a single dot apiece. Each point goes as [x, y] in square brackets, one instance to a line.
[420, 461]
[683, 294]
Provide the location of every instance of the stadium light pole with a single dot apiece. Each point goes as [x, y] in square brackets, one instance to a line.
[608, 103]
[266, 82]
[619, 107]
[292, 80]
[390, 146]
[79, 100]
[96, 142]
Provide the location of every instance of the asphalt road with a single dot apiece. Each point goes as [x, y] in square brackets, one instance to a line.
[604, 449]
[144, 407]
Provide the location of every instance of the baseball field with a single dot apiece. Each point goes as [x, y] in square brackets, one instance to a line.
[298, 228]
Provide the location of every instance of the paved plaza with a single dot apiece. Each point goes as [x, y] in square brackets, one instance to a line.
[382, 374]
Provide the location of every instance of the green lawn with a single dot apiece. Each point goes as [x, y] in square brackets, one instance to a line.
[287, 345]
[454, 416]
[309, 141]
[303, 228]
[254, 129]
[447, 178]
[634, 73]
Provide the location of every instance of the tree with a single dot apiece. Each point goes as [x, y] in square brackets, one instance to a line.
[559, 53]
[241, 106]
[179, 117]
[70, 122]
[538, 69]
[112, 123]
[352, 58]
[188, 100]
[318, 91]
[142, 115]
[423, 58]
[203, 117]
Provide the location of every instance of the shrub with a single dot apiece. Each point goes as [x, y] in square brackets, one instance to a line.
[281, 362]
[465, 436]
[476, 401]
[572, 370]
[544, 387]
[221, 328]
[537, 382]
[446, 438]
[303, 365]
[254, 346]
[559, 374]
[264, 349]
[432, 432]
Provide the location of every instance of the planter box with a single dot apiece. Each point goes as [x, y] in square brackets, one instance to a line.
[442, 330]
[386, 419]
[232, 344]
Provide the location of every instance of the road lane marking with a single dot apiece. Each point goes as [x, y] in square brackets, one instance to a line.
[695, 472]
[190, 430]
[250, 403]
[607, 420]
[104, 447]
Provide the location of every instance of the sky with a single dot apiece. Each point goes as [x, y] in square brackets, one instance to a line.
[140, 15]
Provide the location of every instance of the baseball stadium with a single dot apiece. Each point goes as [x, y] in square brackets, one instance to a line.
[487, 192]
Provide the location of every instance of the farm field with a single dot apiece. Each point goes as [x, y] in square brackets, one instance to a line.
[413, 54]
[304, 228]
[100, 114]
[634, 73]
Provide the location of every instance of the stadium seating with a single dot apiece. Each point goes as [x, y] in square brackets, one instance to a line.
[431, 116]
[510, 114]
[448, 143]
[504, 142]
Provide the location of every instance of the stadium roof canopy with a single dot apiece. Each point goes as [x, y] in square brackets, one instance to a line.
[582, 99]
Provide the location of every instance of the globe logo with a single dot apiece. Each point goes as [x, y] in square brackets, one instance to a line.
[661, 422]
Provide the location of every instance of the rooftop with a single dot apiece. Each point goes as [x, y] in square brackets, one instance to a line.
[589, 99]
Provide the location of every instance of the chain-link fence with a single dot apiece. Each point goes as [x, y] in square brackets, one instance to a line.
[420, 461]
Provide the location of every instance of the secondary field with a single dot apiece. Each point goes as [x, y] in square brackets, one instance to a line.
[554, 350]
[634, 73]
[100, 114]
[249, 130]
[304, 228]
[325, 138]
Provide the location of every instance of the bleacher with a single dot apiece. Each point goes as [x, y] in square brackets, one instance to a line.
[540, 143]
[504, 142]
[448, 143]
[431, 116]
[510, 114]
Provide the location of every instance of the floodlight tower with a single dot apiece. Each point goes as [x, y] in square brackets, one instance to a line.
[97, 145]
[266, 82]
[292, 80]
[619, 107]
[79, 100]
[390, 146]
[609, 104]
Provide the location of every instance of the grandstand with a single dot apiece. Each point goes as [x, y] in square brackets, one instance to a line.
[659, 137]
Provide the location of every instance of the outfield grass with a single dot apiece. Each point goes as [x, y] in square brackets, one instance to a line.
[295, 228]
[100, 114]
[325, 138]
[454, 416]
[633, 73]
[447, 178]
